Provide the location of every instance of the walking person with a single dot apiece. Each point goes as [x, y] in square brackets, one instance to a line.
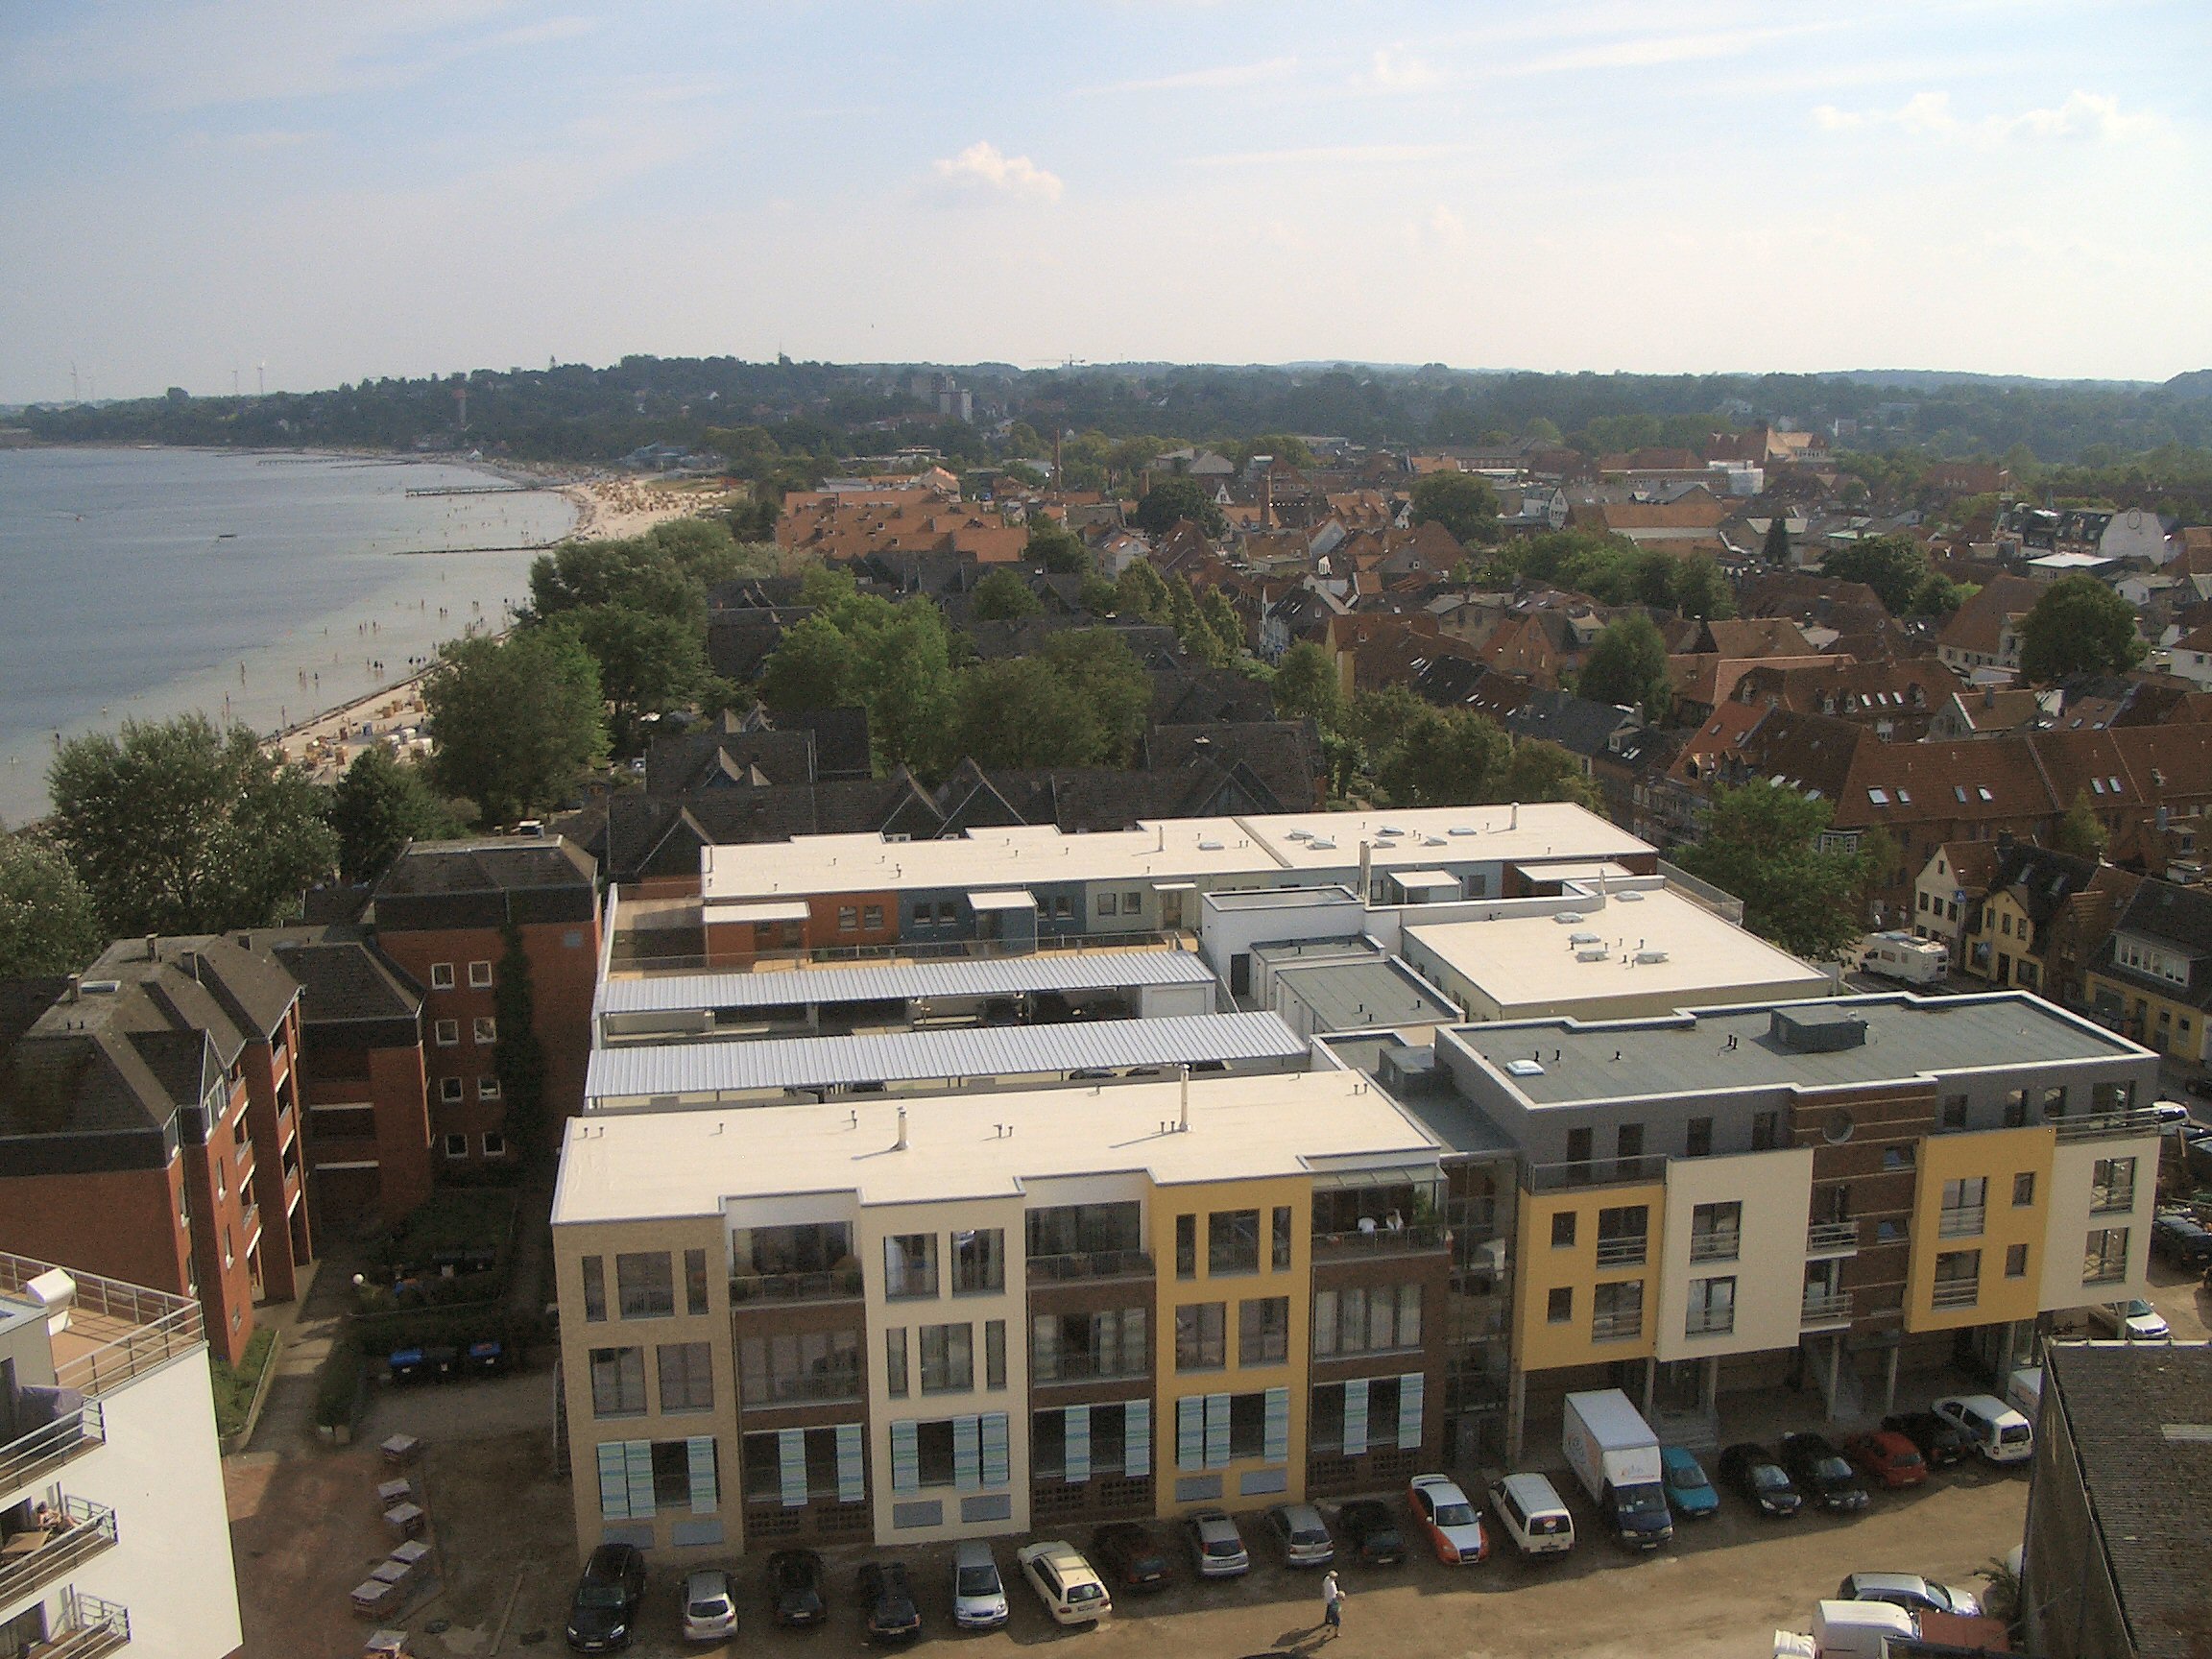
[1333, 1603]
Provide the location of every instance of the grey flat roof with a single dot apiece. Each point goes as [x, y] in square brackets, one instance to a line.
[1906, 1037]
[1351, 993]
[984, 1051]
[895, 981]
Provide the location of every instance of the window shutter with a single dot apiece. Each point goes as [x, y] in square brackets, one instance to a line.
[1077, 1439]
[906, 1458]
[1190, 1432]
[967, 1454]
[705, 1492]
[1409, 1419]
[1216, 1431]
[997, 1465]
[638, 1464]
[1356, 1417]
[851, 1464]
[791, 1467]
[1276, 1447]
[1137, 1439]
[613, 1481]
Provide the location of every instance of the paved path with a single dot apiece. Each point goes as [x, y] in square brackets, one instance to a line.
[309, 1326]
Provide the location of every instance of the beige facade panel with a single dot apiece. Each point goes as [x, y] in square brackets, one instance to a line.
[1732, 1270]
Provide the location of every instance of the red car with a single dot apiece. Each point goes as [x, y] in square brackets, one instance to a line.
[1887, 1457]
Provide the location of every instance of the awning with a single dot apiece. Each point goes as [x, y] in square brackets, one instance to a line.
[1011, 899]
[1174, 886]
[1425, 881]
[786, 911]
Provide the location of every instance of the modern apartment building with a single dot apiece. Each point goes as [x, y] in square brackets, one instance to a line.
[979, 1314]
[150, 1124]
[114, 1533]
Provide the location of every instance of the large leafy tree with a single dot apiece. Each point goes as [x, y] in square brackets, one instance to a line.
[1002, 596]
[518, 722]
[48, 924]
[1763, 844]
[1894, 567]
[380, 805]
[1462, 502]
[178, 827]
[1444, 757]
[1627, 664]
[649, 663]
[1018, 712]
[2078, 626]
[811, 668]
[1112, 684]
[1542, 771]
[1307, 687]
[2081, 833]
[1176, 498]
[1059, 550]
[1701, 589]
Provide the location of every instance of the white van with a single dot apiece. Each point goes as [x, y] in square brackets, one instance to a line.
[1999, 1434]
[1528, 1508]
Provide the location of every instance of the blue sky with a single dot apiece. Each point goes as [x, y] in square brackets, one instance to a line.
[402, 187]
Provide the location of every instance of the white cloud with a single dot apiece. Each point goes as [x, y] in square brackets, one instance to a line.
[2083, 117]
[983, 165]
[1222, 75]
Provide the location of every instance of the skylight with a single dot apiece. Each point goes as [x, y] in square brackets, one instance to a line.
[1879, 797]
[1983, 791]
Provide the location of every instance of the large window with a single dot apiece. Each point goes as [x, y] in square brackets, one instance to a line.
[797, 1367]
[1077, 1347]
[817, 1247]
[617, 1381]
[1965, 1205]
[1263, 1330]
[1367, 1319]
[1085, 1229]
[595, 1288]
[1712, 1310]
[978, 1260]
[1233, 1241]
[1617, 1312]
[794, 1466]
[1201, 1337]
[1957, 1278]
[1624, 1232]
[1715, 1231]
[910, 1264]
[895, 1362]
[1186, 1246]
[947, 1361]
[2105, 1258]
[687, 1376]
[1280, 1257]
[644, 1285]
[2112, 1184]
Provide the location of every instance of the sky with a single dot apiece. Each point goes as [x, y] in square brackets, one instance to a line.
[412, 187]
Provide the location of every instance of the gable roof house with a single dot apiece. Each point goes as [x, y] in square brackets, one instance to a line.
[1983, 633]
[2153, 979]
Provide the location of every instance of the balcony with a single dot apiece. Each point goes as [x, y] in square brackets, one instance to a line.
[1368, 1242]
[824, 1388]
[1832, 1238]
[1082, 1264]
[2112, 1200]
[1617, 1327]
[830, 1284]
[116, 1331]
[1715, 1246]
[1629, 1252]
[1709, 1322]
[1824, 1308]
[30, 1458]
[38, 1555]
[1958, 1292]
[1082, 1369]
[89, 1627]
[1962, 1221]
[2137, 1122]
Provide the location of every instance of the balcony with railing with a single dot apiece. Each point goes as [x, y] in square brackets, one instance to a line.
[1958, 1292]
[827, 1285]
[1366, 1243]
[1628, 1250]
[89, 1627]
[115, 1330]
[1621, 1327]
[1594, 1172]
[40, 1553]
[2114, 1198]
[1709, 1322]
[1963, 1220]
[1832, 1238]
[1823, 1308]
[1085, 1264]
[2134, 1122]
[1726, 1246]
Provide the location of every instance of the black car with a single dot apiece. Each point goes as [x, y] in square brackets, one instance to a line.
[888, 1600]
[605, 1605]
[1372, 1531]
[795, 1587]
[1131, 1555]
[2180, 1239]
[1759, 1480]
[1823, 1473]
[1942, 1442]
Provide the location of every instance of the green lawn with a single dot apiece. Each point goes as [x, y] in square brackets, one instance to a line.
[234, 1385]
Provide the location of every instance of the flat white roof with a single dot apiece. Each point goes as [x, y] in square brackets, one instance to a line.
[1319, 846]
[1523, 961]
[658, 1165]
[895, 981]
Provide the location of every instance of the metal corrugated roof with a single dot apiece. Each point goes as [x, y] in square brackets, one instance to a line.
[967, 976]
[977, 1051]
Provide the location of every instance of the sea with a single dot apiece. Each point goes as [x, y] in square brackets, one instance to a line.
[262, 589]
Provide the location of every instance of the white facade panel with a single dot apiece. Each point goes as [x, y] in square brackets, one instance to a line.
[1773, 1191]
[2074, 1216]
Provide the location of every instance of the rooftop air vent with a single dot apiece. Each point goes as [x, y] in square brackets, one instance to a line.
[1568, 916]
[1301, 834]
[101, 987]
[1592, 954]
[1320, 846]
[1525, 1067]
[1650, 955]
[1631, 897]
[1461, 830]
[1389, 829]
[1582, 938]
[1817, 1030]
[1209, 846]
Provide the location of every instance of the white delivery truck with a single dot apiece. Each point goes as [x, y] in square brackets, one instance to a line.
[1616, 1456]
[1865, 1630]
[1904, 958]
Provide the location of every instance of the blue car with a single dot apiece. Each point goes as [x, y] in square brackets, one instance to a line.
[1688, 1491]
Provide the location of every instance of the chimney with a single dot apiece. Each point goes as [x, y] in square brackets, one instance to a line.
[1185, 1124]
[1989, 695]
[900, 1146]
[76, 988]
[153, 947]
[1366, 872]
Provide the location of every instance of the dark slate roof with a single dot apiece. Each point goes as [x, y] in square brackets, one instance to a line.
[2146, 1486]
[487, 882]
[1577, 724]
[1283, 755]
[1186, 696]
[345, 981]
[842, 753]
[2040, 878]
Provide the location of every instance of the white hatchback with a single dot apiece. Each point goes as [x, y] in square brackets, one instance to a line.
[1064, 1582]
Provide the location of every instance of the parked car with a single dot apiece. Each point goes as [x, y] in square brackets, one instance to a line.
[1064, 1582]
[1997, 1432]
[710, 1609]
[2200, 1087]
[1131, 1554]
[2196, 1152]
[1217, 1548]
[1454, 1527]
[1301, 1534]
[1689, 1491]
[2171, 1116]
[978, 1597]
[604, 1609]
[1910, 1592]
[887, 1602]
[795, 1587]
[1822, 1473]
[1372, 1531]
[1887, 1458]
[1940, 1442]
[1530, 1509]
[2134, 1320]
[1760, 1480]
[2180, 1238]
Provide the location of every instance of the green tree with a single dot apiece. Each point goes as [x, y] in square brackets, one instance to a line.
[1282, 447]
[1057, 549]
[48, 924]
[1542, 771]
[1097, 595]
[175, 827]
[2078, 626]
[1776, 550]
[2081, 833]
[1002, 596]
[1445, 757]
[903, 665]
[1306, 686]
[380, 805]
[1021, 439]
[1139, 593]
[1172, 499]
[648, 663]
[811, 668]
[1113, 685]
[1462, 502]
[667, 571]
[1894, 565]
[1700, 590]
[1937, 595]
[1220, 619]
[1627, 664]
[517, 1055]
[1018, 712]
[517, 722]
[1763, 844]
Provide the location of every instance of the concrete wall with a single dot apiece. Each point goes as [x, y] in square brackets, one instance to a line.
[1539, 1344]
[1774, 1190]
[1999, 1157]
[2068, 1221]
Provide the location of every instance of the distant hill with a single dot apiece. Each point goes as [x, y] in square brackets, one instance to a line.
[2197, 384]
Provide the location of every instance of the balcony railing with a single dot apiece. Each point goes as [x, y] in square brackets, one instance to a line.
[2136, 1121]
[1963, 1220]
[1379, 1241]
[1594, 1172]
[1709, 1322]
[832, 1285]
[1081, 1368]
[90, 1627]
[1091, 1265]
[2112, 1200]
[819, 1391]
[1829, 1237]
[32, 1457]
[116, 1331]
[1715, 1246]
[84, 1530]
[1617, 1327]
[1958, 1292]
[1627, 1252]
[1826, 1308]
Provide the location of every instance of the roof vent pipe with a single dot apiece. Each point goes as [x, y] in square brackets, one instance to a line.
[1183, 1126]
[1513, 820]
[153, 947]
[76, 987]
[1366, 872]
[900, 1146]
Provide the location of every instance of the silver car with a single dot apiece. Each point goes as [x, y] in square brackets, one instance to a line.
[1302, 1535]
[710, 1609]
[1909, 1591]
[978, 1596]
[1216, 1546]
